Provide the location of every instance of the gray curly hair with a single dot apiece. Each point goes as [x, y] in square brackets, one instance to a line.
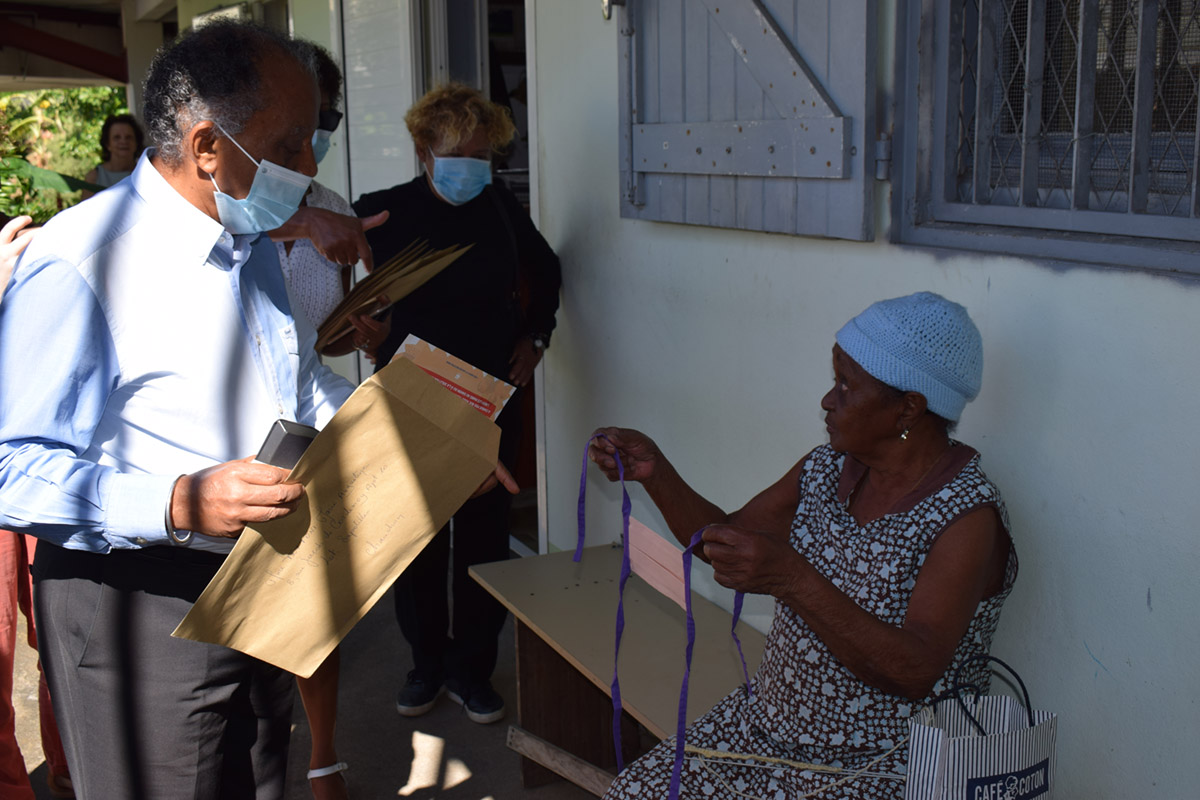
[211, 73]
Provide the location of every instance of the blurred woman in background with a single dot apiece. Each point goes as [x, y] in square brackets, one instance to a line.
[121, 143]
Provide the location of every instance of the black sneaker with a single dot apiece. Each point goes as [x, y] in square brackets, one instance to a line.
[417, 696]
[480, 701]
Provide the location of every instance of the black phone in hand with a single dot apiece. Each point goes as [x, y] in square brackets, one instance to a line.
[285, 443]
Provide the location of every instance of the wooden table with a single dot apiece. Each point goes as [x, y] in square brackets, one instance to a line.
[565, 623]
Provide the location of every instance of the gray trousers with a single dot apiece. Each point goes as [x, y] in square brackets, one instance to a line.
[144, 715]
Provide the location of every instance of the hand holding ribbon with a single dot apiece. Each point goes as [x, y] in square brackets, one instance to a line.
[749, 561]
[607, 455]
[626, 569]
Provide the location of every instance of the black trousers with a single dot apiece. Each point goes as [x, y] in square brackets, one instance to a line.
[142, 714]
[458, 639]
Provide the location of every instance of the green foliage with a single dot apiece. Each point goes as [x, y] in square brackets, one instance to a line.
[54, 129]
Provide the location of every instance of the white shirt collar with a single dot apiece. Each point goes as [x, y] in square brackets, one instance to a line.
[195, 235]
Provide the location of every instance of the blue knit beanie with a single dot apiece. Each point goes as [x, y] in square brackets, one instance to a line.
[919, 343]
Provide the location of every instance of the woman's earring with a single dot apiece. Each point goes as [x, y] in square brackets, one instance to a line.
[904, 435]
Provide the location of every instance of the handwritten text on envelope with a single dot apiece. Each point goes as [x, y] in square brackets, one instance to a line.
[390, 469]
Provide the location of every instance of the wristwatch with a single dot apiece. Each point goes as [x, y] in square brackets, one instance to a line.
[540, 341]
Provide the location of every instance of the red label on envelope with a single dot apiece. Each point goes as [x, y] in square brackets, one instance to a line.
[483, 392]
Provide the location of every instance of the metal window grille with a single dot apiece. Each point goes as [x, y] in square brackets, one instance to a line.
[1076, 115]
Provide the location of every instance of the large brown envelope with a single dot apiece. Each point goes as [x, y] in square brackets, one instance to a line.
[380, 480]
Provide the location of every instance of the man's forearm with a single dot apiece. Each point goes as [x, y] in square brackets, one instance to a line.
[49, 492]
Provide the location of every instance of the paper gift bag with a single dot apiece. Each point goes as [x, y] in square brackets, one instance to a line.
[390, 469]
[984, 748]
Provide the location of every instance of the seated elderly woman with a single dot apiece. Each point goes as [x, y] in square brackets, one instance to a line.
[887, 552]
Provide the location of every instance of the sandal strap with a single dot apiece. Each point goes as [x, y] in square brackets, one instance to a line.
[321, 772]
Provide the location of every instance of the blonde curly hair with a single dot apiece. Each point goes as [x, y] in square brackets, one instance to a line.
[449, 115]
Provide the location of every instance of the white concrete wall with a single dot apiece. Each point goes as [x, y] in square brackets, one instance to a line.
[718, 344]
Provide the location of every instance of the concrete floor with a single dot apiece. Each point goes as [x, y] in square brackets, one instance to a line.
[442, 755]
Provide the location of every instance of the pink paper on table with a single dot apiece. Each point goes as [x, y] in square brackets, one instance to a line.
[656, 561]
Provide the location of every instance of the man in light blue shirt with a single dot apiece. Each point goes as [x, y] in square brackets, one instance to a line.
[145, 351]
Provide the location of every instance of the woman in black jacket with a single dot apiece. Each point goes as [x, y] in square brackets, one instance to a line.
[473, 310]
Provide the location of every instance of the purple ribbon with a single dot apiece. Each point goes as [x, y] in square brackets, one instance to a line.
[626, 508]
[681, 721]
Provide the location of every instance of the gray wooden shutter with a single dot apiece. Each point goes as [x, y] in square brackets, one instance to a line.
[751, 114]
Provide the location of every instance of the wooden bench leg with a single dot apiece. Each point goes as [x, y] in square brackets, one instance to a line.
[557, 703]
[579, 772]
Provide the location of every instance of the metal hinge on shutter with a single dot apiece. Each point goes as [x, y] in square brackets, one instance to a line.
[883, 157]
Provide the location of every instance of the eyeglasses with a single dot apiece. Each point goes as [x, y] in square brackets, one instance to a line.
[328, 119]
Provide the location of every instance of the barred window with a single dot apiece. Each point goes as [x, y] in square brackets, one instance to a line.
[1069, 116]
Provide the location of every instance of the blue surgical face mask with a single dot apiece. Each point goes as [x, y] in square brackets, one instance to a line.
[320, 143]
[274, 197]
[460, 180]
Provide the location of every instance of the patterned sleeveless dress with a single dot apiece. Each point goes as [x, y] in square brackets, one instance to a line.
[806, 706]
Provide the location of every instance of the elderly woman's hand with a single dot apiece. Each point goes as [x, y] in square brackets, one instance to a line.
[750, 561]
[639, 454]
